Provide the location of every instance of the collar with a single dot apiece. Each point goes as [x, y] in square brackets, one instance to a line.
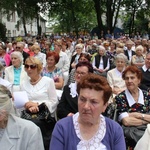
[144, 68]
[12, 132]
[118, 72]
[19, 68]
[130, 99]
[73, 89]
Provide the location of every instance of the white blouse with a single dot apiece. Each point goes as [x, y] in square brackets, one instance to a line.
[95, 142]
[43, 91]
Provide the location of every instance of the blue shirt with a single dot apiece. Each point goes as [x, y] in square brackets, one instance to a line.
[17, 73]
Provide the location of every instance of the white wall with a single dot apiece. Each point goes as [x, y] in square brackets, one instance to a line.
[12, 30]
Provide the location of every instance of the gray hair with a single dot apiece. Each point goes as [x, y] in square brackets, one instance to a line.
[5, 99]
[79, 45]
[101, 48]
[121, 56]
[18, 54]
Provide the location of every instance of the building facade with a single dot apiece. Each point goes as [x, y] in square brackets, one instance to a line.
[15, 28]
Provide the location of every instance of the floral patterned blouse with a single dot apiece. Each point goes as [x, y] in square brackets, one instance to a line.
[53, 75]
[123, 104]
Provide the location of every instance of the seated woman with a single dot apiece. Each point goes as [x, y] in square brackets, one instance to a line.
[138, 58]
[68, 103]
[74, 59]
[114, 76]
[15, 73]
[4, 57]
[38, 54]
[40, 90]
[52, 71]
[83, 57]
[16, 133]
[101, 62]
[133, 103]
[88, 129]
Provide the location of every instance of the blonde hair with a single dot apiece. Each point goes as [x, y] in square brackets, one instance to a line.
[119, 50]
[35, 47]
[140, 47]
[79, 45]
[35, 61]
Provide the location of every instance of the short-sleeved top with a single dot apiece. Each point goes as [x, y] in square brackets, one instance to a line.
[53, 75]
[125, 104]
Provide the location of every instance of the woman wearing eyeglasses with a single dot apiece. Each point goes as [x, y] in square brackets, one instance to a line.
[39, 90]
[15, 73]
[68, 103]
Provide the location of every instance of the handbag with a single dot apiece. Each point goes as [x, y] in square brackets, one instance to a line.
[134, 133]
[43, 114]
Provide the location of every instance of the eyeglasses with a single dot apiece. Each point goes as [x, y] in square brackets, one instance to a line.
[31, 66]
[80, 73]
[18, 47]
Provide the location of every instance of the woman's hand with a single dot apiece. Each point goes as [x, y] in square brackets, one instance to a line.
[30, 104]
[136, 115]
[33, 109]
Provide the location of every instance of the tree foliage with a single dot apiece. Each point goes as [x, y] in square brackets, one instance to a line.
[82, 15]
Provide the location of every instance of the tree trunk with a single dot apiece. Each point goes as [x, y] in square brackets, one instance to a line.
[97, 4]
[74, 18]
[109, 15]
[38, 25]
[117, 13]
[24, 24]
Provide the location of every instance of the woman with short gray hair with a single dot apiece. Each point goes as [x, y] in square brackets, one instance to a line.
[15, 73]
[16, 133]
[101, 62]
[114, 76]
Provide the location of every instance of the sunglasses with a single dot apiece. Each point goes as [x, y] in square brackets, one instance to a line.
[18, 47]
[31, 66]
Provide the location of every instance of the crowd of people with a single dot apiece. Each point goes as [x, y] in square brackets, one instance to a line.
[77, 79]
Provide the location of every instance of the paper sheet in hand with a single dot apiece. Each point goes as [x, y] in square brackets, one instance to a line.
[20, 98]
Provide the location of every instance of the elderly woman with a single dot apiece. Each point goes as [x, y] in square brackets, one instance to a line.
[38, 54]
[74, 60]
[68, 103]
[39, 90]
[15, 73]
[138, 58]
[16, 133]
[101, 62]
[133, 103]
[88, 129]
[52, 71]
[114, 76]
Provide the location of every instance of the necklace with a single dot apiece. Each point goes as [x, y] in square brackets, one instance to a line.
[33, 83]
